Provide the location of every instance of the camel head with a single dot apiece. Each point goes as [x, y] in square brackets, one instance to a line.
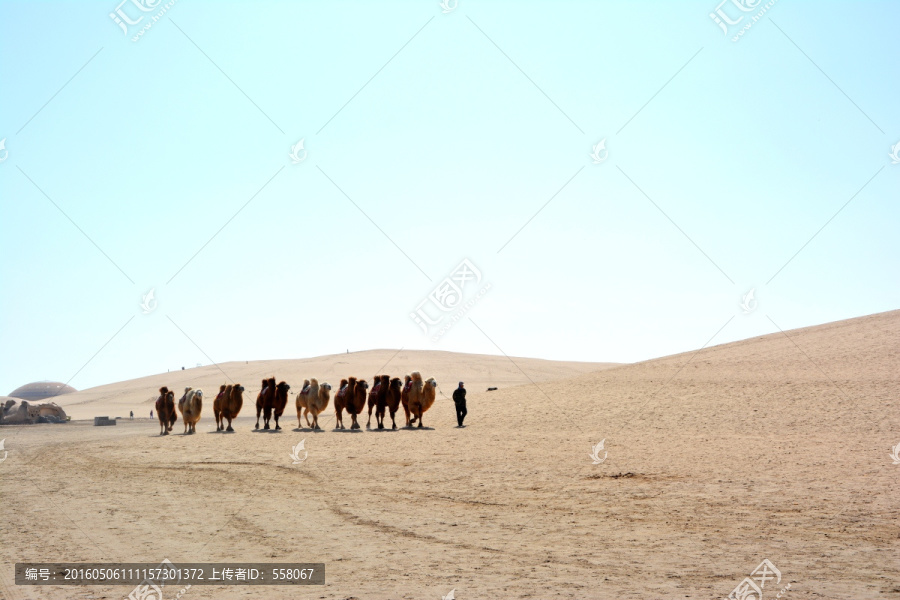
[163, 391]
[325, 386]
[431, 382]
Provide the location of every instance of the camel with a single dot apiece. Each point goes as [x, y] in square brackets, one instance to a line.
[314, 400]
[378, 400]
[191, 404]
[302, 403]
[165, 410]
[421, 396]
[395, 391]
[404, 398]
[217, 405]
[230, 406]
[352, 397]
[279, 402]
[182, 400]
[346, 389]
[264, 398]
[317, 404]
[357, 402]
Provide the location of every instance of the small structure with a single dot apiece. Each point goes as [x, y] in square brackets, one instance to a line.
[104, 421]
[14, 411]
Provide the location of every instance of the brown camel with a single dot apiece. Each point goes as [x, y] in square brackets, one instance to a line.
[191, 405]
[264, 398]
[217, 405]
[421, 396]
[302, 403]
[395, 391]
[346, 390]
[357, 403]
[378, 399]
[404, 398]
[231, 404]
[279, 402]
[165, 410]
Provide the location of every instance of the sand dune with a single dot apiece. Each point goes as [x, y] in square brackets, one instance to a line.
[771, 448]
[479, 371]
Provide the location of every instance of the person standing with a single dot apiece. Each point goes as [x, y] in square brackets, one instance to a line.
[151, 413]
[131, 415]
[459, 398]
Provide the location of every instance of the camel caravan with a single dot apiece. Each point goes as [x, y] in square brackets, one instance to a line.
[415, 394]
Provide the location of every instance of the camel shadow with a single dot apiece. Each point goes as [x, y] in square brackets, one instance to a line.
[416, 428]
[221, 431]
[267, 430]
[347, 430]
[307, 430]
[385, 430]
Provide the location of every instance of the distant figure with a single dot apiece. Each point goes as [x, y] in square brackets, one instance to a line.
[151, 414]
[131, 415]
[459, 398]
[182, 368]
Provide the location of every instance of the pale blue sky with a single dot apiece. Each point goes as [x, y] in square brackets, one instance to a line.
[460, 138]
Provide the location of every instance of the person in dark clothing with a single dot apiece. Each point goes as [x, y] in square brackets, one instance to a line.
[459, 398]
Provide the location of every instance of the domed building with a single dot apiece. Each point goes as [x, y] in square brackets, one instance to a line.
[41, 390]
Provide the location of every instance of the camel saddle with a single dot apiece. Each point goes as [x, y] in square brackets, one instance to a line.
[305, 390]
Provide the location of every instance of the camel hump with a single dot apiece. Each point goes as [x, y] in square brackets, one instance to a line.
[164, 390]
[416, 376]
[313, 381]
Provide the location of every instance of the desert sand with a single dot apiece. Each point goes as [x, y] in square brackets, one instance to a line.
[775, 447]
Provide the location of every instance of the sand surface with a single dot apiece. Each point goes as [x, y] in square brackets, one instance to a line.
[771, 448]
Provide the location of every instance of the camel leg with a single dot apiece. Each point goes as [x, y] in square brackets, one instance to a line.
[258, 410]
[355, 422]
[229, 425]
[277, 426]
[306, 414]
[369, 422]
